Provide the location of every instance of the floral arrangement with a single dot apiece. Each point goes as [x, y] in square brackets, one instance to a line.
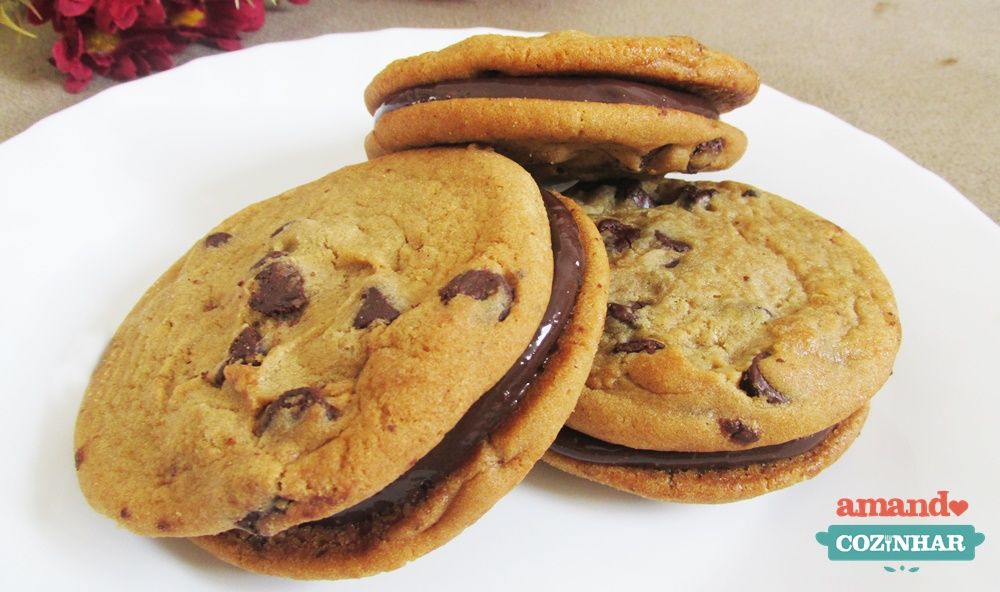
[125, 39]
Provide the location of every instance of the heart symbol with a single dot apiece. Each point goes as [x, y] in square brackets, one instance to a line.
[958, 507]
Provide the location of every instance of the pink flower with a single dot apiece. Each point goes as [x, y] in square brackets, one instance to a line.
[73, 7]
[112, 15]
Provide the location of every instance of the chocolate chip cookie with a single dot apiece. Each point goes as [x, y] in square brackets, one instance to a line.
[341, 378]
[744, 338]
[568, 105]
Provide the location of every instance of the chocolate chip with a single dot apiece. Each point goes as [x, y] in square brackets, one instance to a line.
[374, 306]
[268, 257]
[749, 193]
[632, 189]
[691, 195]
[163, 525]
[279, 291]
[251, 521]
[651, 156]
[295, 402]
[246, 346]
[624, 312]
[687, 195]
[738, 432]
[125, 513]
[709, 147]
[217, 239]
[704, 154]
[672, 264]
[79, 457]
[479, 284]
[620, 234]
[621, 312]
[670, 243]
[753, 383]
[278, 230]
[245, 349]
[637, 345]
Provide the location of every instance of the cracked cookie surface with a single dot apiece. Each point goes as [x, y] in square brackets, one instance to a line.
[303, 354]
[736, 318]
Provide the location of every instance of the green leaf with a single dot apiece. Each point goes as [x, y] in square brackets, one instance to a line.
[7, 21]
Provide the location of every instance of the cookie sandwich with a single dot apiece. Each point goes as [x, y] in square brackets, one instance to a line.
[568, 105]
[744, 338]
[341, 378]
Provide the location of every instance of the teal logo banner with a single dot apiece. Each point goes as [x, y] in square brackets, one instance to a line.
[872, 542]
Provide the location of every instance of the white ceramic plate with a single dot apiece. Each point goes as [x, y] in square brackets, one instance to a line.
[97, 200]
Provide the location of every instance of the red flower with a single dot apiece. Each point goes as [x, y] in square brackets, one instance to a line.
[122, 56]
[114, 15]
[124, 39]
[217, 22]
[67, 55]
[129, 54]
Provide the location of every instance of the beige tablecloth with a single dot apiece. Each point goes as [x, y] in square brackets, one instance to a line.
[923, 75]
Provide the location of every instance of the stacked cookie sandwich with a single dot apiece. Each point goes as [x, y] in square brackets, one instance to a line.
[338, 379]
[341, 378]
[745, 334]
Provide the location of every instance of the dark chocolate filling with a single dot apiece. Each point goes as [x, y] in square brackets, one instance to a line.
[596, 90]
[499, 403]
[579, 446]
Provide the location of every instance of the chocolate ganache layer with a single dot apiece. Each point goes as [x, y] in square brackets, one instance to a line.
[596, 90]
[579, 446]
[501, 401]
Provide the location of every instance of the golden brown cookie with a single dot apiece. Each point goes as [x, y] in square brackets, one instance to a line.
[568, 104]
[316, 346]
[713, 484]
[380, 535]
[741, 328]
